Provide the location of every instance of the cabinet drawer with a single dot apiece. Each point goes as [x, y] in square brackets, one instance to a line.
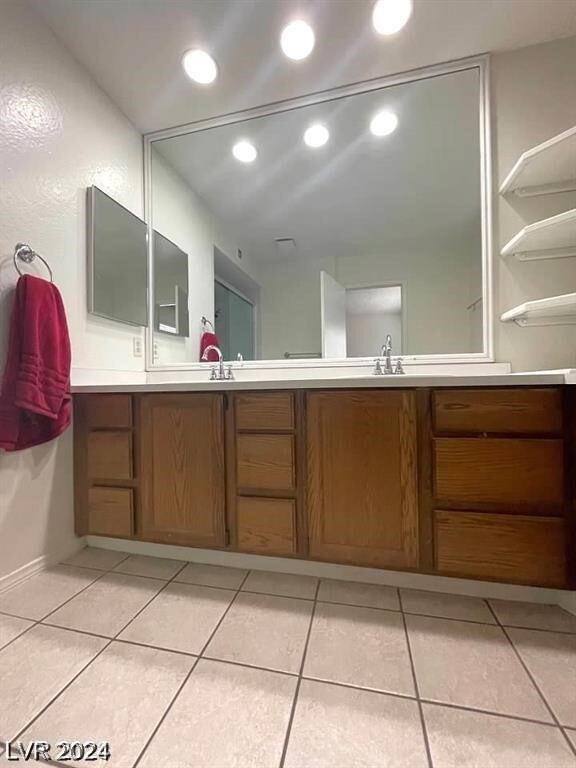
[265, 462]
[110, 455]
[268, 411]
[110, 511]
[266, 525]
[511, 548]
[507, 411]
[107, 411]
[525, 474]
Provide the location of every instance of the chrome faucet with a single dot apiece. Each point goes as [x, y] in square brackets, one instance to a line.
[220, 373]
[386, 353]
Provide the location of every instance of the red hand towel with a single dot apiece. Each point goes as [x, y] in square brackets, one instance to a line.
[35, 402]
[206, 340]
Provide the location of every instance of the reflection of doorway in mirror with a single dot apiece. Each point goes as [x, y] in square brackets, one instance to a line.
[371, 314]
[234, 322]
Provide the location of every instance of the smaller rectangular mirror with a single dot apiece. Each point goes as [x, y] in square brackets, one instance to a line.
[117, 261]
[170, 288]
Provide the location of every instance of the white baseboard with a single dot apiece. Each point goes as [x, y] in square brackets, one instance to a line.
[37, 565]
[346, 572]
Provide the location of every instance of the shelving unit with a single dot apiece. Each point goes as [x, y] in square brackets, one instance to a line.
[556, 310]
[548, 168]
[551, 238]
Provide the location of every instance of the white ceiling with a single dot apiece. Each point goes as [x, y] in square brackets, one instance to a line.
[133, 48]
[417, 189]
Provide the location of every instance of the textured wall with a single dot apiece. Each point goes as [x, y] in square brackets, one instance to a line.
[58, 134]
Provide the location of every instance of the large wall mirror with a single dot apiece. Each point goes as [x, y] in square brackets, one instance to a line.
[317, 228]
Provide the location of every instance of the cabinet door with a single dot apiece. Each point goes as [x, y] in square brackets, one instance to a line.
[183, 474]
[362, 478]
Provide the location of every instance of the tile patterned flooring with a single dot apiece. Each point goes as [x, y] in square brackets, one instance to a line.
[184, 665]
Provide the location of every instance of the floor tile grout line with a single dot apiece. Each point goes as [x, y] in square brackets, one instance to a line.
[107, 645]
[188, 676]
[246, 665]
[490, 712]
[300, 677]
[416, 687]
[352, 687]
[500, 623]
[127, 555]
[533, 681]
[424, 700]
[220, 621]
[61, 691]
[37, 622]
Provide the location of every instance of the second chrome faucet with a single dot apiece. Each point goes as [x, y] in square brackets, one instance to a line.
[386, 353]
[221, 373]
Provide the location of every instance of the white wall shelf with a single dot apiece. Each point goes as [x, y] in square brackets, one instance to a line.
[548, 168]
[555, 310]
[551, 238]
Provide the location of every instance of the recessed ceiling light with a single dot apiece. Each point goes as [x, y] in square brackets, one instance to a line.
[383, 123]
[389, 16]
[297, 39]
[244, 151]
[200, 66]
[317, 135]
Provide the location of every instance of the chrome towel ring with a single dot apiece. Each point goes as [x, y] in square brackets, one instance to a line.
[23, 253]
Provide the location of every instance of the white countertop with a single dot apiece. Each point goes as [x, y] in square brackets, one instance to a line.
[244, 381]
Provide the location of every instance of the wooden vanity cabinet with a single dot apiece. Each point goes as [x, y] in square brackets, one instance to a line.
[182, 465]
[473, 483]
[362, 497]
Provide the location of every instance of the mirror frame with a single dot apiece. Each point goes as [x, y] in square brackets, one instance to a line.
[480, 63]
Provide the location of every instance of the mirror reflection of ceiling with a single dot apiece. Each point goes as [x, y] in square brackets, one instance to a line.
[419, 185]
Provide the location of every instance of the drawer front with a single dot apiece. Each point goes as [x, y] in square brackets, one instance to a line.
[505, 411]
[107, 411]
[266, 525]
[510, 548]
[268, 411]
[265, 462]
[110, 511]
[524, 474]
[110, 455]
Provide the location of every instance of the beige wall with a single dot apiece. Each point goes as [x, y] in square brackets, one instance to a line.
[533, 98]
[59, 133]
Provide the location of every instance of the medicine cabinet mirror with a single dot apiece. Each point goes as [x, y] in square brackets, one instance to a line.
[117, 261]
